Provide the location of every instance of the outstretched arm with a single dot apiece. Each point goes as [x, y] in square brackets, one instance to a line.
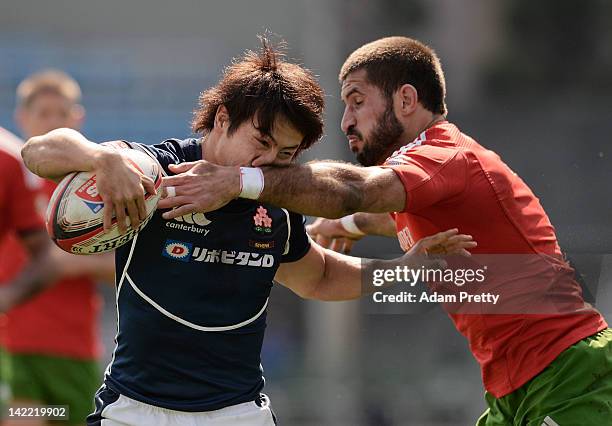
[320, 188]
[46, 265]
[97, 267]
[333, 189]
[340, 234]
[326, 275]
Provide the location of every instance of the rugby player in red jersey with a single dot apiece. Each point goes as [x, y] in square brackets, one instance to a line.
[537, 367]
[20, 220]
[21, 224]
[52, 341]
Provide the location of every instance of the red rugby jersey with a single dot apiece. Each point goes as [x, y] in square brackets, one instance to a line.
[18, 189]
[62, 320]
[453, 182]
[18, 214]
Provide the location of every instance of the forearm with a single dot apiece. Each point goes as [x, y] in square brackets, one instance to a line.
[330, 189]
[322, 275]
[341, 279]
[321, 188]
[98, 267]
[348, 277]
[40, 272]
[375, 224]
[62, 151]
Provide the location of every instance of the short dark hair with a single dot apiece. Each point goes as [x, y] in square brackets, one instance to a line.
[263, 84]
[394, 61]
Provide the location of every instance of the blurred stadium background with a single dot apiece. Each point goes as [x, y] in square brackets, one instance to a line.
[530, 80]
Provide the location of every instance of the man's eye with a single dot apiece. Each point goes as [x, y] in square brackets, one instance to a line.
[263, 143]
[358, 102]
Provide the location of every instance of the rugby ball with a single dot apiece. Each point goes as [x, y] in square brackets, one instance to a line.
[75, 214]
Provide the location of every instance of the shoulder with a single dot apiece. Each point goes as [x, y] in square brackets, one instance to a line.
[436, 145]
[183, 149]
[12, 168]
[172, 151]
[288, 216]
[10, 147]
[186, 149]
[9, 142]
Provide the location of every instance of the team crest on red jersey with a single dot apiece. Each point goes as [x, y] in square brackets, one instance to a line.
[263, 222]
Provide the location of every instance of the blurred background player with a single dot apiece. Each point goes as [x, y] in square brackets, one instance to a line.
[20, 221]
[52, 343]
[37, 264]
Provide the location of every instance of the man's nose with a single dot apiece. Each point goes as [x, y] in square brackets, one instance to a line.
[348, 120]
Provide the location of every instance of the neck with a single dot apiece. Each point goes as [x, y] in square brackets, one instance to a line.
[423, 124]
[208, 145]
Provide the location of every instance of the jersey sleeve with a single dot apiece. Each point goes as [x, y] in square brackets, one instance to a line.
[17, 198]
[430, 176]
[171, 151]
[298, 242]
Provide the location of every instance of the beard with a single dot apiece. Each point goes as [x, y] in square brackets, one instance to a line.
[384, 136]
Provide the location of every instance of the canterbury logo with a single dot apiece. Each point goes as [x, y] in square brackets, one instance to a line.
[194, 219]
[192, 222]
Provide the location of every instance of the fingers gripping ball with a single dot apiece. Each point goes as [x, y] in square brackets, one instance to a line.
[75, 215]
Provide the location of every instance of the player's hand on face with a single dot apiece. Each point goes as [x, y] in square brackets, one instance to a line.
[198, 186]
[330, 233]
[122, 189]
[427, 250]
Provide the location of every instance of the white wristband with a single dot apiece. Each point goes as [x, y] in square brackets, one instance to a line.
[349, 225]
[251, 182]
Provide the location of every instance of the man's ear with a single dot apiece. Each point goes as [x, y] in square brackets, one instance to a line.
[222, 121]
[406, 100]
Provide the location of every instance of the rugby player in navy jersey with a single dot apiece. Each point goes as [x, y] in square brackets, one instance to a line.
[192, 291]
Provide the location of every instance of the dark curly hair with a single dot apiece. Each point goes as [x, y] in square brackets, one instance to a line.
[263, 85]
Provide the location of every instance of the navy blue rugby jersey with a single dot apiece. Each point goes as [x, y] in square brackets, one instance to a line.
[192, 295]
